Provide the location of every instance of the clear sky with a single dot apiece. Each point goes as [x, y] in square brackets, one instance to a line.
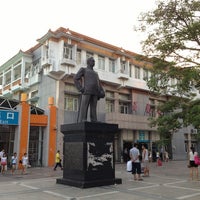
[22, 22]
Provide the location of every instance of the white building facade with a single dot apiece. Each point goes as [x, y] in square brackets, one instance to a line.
[47, 70]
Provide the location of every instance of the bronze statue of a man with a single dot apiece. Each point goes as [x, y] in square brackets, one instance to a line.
[87, 82]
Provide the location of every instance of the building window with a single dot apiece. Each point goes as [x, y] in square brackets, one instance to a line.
[137, 72]
[8, 77]
[71, 102]
[130, 70]
[101, 63]
[124, 103]
[111, 65]
[1, 81]
[88, 55]
[27, 70]
[123, 67]
[78, 57]
[17, 72]
[109, 106]
[123, 107]
[67, 51]
[35, 68]
[145, 74]
[110, 101]
[109, 94]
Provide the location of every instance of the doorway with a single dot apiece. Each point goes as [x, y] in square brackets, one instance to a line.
[126, 148]
[35, 146]
[7, 137]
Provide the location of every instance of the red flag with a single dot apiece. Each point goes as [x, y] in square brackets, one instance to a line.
[148, 108]
[134, 106]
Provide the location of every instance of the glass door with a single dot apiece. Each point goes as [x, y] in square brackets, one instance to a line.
[7, 136]
[35, 146]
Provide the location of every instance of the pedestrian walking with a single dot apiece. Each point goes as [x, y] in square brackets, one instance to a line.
[157, 155]
[13, 162]
[166, 156]
[150, 156]
[136, 165]
[193, 166]
[2, 152]
[58, 161]
[145, 160]
[3, 163]
[159, 160]
[24, 163]
[1, 155]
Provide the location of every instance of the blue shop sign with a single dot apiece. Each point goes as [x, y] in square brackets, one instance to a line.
[9, 117]
[143, 141]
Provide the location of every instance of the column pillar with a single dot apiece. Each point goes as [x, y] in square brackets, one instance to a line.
[52, 131]
[24, 126]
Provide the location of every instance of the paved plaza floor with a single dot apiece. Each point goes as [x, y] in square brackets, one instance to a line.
[170, 181]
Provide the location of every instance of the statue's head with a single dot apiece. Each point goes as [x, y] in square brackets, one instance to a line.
[90, 62]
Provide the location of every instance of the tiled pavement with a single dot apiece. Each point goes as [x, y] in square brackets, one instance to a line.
[171, 181]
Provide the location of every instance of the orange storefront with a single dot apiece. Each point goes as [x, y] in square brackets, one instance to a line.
[34, 133]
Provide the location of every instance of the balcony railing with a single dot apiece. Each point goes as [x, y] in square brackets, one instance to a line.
[122, 75]
[46, 62]
[69, 62]
[129, 121]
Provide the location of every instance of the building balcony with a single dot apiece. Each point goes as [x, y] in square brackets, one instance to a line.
[6, 91]
[123, 76]
[34, 79]
[16, 85]
[45, 62]
[47, 69]
[129, 121]
[69, 62]
[34, 98]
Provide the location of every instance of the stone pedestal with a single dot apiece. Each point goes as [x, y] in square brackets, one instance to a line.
[89, 154]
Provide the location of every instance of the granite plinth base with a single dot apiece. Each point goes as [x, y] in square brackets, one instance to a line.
[89, 154]
[88, 184]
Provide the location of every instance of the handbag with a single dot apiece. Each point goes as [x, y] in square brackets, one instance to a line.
[129, 166]
[159, 162]
[101, 93]
[197, 160]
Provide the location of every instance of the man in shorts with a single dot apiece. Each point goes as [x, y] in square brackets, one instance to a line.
[136, 165]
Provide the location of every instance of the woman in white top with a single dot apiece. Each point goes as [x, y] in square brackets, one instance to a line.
[145, 160]
[14, 162]
[24, 163]
[3, 163]
[193, 166]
